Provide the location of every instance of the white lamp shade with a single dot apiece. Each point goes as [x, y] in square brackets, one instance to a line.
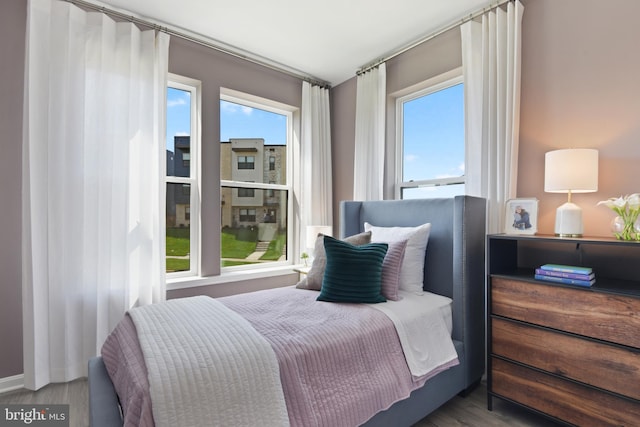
[572, 170]
[313, 231]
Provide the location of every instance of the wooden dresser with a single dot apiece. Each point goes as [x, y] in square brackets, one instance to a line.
[569, 352]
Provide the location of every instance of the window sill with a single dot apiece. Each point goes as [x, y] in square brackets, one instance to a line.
[232, 276]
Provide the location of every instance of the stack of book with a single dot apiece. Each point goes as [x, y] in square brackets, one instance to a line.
[567, 274]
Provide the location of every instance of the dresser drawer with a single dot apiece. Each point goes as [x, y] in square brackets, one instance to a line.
[562, 399]
[609, 317]
[598, 364]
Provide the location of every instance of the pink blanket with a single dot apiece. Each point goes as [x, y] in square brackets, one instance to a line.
[340, 364]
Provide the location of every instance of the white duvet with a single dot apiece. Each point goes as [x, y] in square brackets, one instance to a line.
[185, 356]
[424, 325]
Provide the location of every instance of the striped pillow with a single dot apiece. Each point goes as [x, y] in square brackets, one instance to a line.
[353, 273]
[391, 268]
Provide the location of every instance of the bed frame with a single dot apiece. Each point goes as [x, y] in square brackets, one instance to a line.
[454, 267]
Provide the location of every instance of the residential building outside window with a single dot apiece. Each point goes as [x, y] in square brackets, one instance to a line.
[182, 176]
[430, 140]
[255, 163]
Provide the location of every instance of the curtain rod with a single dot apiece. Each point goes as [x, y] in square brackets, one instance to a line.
[433, 35]
[272, 65]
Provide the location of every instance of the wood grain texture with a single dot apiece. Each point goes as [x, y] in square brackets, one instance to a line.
[565, 400]
[609, 367]
[614, 318]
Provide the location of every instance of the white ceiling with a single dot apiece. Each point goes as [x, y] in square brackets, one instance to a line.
[328, 40]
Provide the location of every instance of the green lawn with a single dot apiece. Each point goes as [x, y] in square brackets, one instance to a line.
[275, 248]
[236, 243]
[178, 241]
[177, 264]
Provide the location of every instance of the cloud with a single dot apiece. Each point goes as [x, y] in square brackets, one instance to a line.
[181, 134]
[411, 158]
[232, 108]
[176, 102]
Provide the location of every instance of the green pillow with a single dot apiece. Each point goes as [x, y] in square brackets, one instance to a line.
[313, 279]
[353, 273]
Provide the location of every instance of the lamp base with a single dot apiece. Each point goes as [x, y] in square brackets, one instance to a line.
[569, 220]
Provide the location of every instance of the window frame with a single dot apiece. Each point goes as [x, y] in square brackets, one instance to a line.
[194, 87]
[289, 112]
[430, 86]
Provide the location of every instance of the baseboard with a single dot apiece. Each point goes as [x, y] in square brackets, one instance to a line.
[11, 383]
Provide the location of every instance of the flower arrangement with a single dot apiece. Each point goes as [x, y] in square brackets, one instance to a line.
[626, 225]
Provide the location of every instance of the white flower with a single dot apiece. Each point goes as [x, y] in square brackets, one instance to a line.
[634, 201]
[616, 204]
[628, 209]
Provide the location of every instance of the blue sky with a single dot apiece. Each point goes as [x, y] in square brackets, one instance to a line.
[178, 115]
[236, 121]
[433, 145]
[433, 132]
[434, 135]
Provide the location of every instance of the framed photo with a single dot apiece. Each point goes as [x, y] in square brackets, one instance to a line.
[521, 216]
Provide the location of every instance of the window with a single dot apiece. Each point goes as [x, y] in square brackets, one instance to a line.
[246, 162]
[430, 135]
[247, 215]
[255, 163]
[182, 182]
[246, 192]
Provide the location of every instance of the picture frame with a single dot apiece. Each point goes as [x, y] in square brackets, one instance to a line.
[521, 216]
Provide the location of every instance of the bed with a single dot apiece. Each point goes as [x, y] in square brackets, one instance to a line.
[453, 268]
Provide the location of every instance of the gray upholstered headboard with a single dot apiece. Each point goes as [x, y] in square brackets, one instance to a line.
[455, 257]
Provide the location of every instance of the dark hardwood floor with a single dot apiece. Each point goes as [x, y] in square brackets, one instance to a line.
[470, 411]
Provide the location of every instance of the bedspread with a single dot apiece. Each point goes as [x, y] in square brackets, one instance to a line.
[208, 366]
[340, 364]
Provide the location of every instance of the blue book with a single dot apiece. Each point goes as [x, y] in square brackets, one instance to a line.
[567, 268]
[565, 275]
[564, 280]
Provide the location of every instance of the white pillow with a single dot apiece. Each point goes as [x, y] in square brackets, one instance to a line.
[412, 272]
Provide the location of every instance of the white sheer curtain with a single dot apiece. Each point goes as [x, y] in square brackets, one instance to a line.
[93, 168]
[317, 194]
[368, 165]
[491, 55]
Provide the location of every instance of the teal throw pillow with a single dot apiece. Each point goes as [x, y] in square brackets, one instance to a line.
[353, 273]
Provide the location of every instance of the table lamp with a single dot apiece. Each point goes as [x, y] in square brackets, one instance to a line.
[312, 235]
[573, 170]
